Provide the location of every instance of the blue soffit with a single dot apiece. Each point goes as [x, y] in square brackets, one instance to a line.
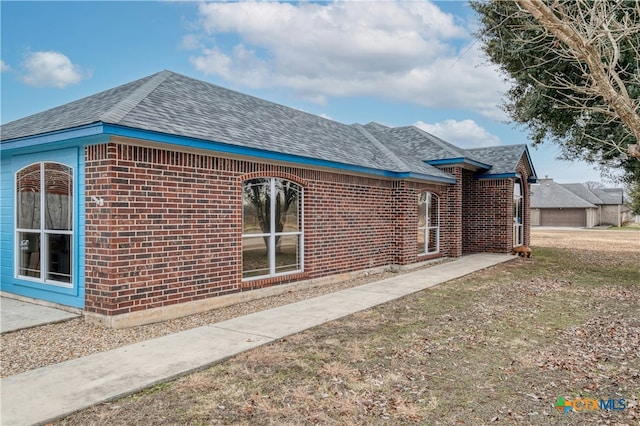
[498, 175]
[458, 160]
[96, 132]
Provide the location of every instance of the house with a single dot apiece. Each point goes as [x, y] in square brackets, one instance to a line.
[575, 205]
[168, 196]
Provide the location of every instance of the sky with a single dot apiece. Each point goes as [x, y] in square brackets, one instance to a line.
[395, 63]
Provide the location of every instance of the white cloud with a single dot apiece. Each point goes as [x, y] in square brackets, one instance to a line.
[465, 133]
[51, 69]
[408, 51]
[4, 67]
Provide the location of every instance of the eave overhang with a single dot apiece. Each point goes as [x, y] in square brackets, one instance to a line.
[100, 132]
[458, 161]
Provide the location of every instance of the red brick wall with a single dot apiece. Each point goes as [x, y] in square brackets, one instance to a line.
[487, 215]
[170, 228]
[487, 223]
[451, 215]
[405, 198]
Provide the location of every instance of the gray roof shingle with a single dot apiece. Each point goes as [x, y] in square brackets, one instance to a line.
[583, 192]
[549, 194]
[173, 104]
[609, 195]
[503, 159]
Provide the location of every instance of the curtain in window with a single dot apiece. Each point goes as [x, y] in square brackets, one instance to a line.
[44, 236]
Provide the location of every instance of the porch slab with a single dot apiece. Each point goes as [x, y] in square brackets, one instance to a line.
[18, 314]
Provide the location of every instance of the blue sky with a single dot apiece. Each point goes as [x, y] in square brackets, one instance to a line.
[395, 63]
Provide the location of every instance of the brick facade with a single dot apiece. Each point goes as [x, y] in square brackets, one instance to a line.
[169, 230]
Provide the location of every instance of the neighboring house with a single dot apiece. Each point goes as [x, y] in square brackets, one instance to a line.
[575, 205]
[168, 196]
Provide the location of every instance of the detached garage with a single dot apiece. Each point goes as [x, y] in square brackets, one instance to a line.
[553, 204]
[563, 217]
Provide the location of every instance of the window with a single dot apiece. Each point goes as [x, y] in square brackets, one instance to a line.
[428, 223]
[518, 234]
[272, 238]
[44, 223]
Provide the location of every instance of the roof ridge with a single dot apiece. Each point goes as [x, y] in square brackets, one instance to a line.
[439, 141]
[124, 107]
[510, 145]
[393, 157]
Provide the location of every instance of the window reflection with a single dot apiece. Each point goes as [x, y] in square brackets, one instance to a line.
[271, 227]
[44, 234]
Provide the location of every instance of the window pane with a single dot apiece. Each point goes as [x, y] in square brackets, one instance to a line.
[434, 207]
[255, 256]
[421, 240]
[517, 190]
[59, 196]
[256, 200]
[28, 197]
[432, 240]
[287, 253]
[422, 214]
[287, 206]
[59, 253]
[29, 254]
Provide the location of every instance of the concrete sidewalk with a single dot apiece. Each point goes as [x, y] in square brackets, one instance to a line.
[17, 314]
[48, 393]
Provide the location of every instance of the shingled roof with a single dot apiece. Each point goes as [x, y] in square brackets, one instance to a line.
[172, 104]
[550, 194]
[504, 159]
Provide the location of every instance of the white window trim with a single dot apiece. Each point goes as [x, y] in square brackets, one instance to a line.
[518, 227]
[272, 234]
[44, 246]
[426, 229]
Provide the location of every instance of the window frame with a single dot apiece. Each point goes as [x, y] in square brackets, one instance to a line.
[518, 209]
[44, 234]
[427, 228]
[272, 235]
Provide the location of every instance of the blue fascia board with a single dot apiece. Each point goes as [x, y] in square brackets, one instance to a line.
[422, 176]
[100, 132]
[54, 139]
[458, 160]
[149, 135]
[498, 175]
[534, 175]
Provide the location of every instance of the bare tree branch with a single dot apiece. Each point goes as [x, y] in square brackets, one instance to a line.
[593, 36]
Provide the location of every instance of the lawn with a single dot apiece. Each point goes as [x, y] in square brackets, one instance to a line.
[499, 346]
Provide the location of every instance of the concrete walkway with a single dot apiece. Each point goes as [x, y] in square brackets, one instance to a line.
[16, 315]
[48, 393]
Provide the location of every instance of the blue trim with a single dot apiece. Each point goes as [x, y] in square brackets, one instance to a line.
[262, 154]
[420, 176]
[97, 133]
[68, 136]
[70, 296]
[534, 176]
[498, 175]
[458, 160]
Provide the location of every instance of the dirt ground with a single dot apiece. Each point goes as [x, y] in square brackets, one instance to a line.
[598, 239]
[500, 346]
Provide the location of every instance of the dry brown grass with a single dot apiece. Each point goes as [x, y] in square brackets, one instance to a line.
[496, 347]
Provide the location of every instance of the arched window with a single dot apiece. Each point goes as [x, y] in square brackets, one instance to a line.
[428, 223]
[44, 223]
[272, 231]
[518, 234]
